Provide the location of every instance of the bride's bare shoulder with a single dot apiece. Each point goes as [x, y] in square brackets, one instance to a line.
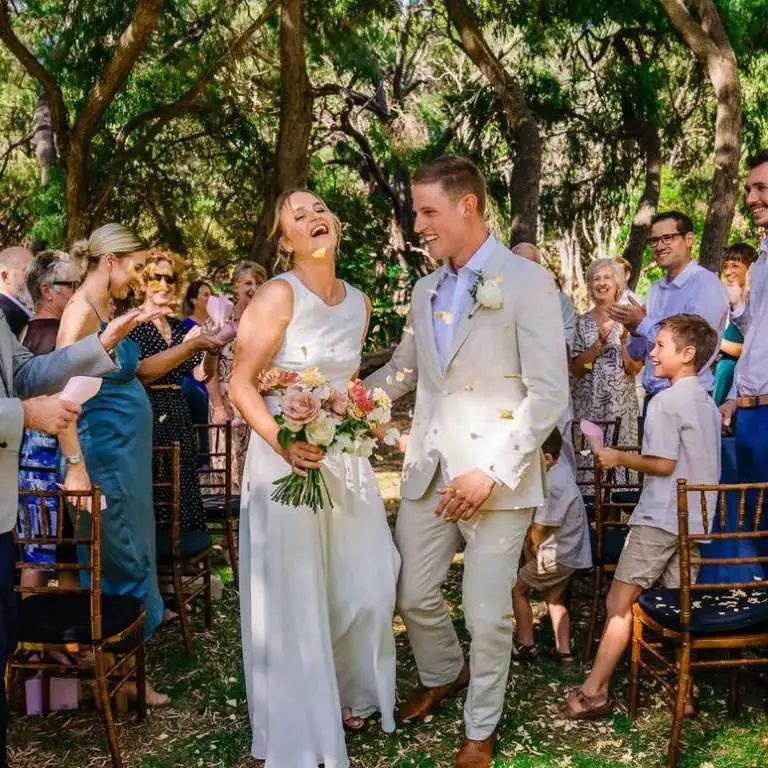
[273, 301]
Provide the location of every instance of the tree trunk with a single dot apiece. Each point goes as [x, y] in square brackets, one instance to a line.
[296, 102]
[77, 164]
[45, 150]
[524, 185]
[649, 200]
[707, 38]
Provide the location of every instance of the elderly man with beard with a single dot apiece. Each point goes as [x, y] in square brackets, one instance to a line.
[14, 298]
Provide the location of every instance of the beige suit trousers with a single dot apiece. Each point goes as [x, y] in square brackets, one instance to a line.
[427, 544]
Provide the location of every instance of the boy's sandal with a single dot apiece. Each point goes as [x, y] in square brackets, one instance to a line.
[522, 652]
[579, 706]
[567, 659]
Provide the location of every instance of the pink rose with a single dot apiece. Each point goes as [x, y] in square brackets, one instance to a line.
[298, 407]
[338, 403]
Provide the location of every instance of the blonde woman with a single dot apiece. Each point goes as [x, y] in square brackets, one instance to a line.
[317, 591]
[112, 445]
[602, 372]
[167, 356]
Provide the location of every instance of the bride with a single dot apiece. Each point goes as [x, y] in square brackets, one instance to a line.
[317, 591]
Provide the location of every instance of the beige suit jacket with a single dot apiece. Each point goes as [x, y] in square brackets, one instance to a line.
[504, 386]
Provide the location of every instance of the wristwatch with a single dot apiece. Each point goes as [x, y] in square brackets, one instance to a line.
[72, 459]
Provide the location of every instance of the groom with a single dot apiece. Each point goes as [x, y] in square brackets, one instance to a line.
[484, 348]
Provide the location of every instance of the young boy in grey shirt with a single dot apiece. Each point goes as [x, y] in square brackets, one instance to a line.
[682, 440]
[557, 545]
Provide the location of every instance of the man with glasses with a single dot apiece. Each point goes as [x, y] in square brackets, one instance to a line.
[686, 288]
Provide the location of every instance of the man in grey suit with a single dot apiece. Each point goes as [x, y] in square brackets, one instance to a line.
[25, 383]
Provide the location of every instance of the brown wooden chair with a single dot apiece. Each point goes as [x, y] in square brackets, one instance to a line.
[104, 634]
[183, 557]
[722, 619]
[615, 499]
[585, 461]
[222, 507]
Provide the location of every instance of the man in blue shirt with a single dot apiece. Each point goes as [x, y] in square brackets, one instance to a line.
[687, 288]
[749, 393]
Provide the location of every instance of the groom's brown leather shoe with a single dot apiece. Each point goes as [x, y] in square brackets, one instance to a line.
[423, 700]
[476, 754]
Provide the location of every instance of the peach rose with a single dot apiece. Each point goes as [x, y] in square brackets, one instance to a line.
[338, 403]
[298, 407]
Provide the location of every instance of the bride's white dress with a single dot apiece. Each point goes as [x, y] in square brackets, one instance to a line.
[317, 592]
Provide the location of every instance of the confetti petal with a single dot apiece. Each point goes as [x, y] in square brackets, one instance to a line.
[446, 317]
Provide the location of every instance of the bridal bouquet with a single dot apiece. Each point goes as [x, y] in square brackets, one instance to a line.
[312, 410]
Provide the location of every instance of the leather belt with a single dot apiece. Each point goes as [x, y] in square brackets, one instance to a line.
[164, 386]
[752, 401]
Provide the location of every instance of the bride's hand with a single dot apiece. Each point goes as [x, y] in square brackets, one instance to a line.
[301, 456]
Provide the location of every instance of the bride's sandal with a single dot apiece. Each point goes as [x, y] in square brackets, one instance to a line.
[353, 723]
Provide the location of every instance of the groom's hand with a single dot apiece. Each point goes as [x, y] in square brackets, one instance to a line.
[464, 495]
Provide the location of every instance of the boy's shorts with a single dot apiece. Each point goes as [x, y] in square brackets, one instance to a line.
[544, 576]
[651, 557]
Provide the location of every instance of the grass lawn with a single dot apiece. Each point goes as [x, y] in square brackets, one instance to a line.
[207, 723]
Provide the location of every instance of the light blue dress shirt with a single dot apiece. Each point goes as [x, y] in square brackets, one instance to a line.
[695, 291]
[751, 376]
[452, 296]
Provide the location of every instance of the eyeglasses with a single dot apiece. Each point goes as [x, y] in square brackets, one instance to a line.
[73, 284]
[168, 279]
[664, 240]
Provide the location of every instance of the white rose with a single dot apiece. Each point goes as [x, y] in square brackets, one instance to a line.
[321, 431]
[379, 416]
[345, 443]
[489, 294]
[365, 446]
[392, 438]
[323, 392]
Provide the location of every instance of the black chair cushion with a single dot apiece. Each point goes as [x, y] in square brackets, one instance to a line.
[215, 506]
[626, 497]
[66, 618]
[613, 543]
[192, 543]
[713, 612]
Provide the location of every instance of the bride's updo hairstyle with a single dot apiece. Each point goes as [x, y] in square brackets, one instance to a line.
[110, 238]
[285, 256]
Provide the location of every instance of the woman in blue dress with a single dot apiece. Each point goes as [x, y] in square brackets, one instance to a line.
[112, 445]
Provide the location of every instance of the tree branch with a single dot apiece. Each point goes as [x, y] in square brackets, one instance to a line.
[167, 112]
[36, 70]
[129, 47]
[695, 37]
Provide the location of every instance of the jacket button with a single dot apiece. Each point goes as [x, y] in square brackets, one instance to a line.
[3, 444]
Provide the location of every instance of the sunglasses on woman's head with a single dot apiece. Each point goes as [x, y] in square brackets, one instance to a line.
[73, 284]
[169, 279]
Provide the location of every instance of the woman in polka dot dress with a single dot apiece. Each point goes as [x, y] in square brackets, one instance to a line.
[169, 353]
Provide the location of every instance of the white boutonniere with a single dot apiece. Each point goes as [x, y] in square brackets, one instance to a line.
[486, 291]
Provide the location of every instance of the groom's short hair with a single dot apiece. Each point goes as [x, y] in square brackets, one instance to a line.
[457, 177]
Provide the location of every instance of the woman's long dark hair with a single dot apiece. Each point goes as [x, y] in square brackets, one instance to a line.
[191, 295]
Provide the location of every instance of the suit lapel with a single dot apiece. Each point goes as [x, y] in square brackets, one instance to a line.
[472, 314]
[426, 317]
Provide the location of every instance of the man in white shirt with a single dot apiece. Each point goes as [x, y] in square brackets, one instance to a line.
[14, 297]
